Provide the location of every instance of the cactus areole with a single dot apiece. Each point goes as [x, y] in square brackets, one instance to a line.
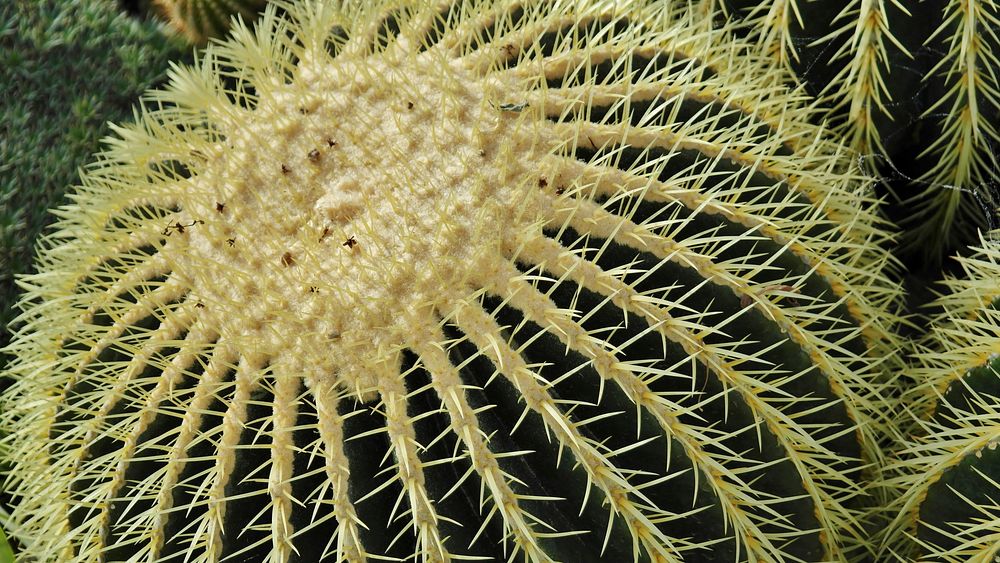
[553, 281]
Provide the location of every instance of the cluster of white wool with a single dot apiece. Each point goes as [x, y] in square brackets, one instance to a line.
[324, 195]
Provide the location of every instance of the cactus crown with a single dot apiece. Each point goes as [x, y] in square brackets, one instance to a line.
[490, 279]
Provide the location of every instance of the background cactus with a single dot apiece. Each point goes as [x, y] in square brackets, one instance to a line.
[556, 279]
[949, 472]
[67, 69]
[201, 20]
[915, 85]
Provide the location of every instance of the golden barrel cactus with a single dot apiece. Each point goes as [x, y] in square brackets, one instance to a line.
[948, 472]
[551, 281]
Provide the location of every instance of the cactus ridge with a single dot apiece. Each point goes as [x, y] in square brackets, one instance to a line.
[948, 472]
[963, 179]
[858, 30]
[494, 279]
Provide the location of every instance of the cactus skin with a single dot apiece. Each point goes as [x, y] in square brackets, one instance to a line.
[915, 85]
[948, 473]
[201, 20]
[508, 280]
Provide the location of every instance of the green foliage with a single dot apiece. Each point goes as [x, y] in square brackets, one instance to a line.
[67, 68]
[201, 20]
[916, 87]
[6, 553]
[948, 472]
[541, 280]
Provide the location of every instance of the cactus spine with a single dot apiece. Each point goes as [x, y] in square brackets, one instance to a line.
[484, 279]
[948, 473]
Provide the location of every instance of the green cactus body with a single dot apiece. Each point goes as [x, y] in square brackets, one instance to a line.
[914, 84]
[554, 281]
[948, 474]
[201, 20]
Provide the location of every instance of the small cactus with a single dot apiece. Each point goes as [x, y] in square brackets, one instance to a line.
[914, 85]
[201, 20]
[948, 474]
[558, 281]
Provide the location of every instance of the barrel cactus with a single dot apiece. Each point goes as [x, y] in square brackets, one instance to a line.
[552, 281]
[949, 471]
[201, 20]
[915, 85]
